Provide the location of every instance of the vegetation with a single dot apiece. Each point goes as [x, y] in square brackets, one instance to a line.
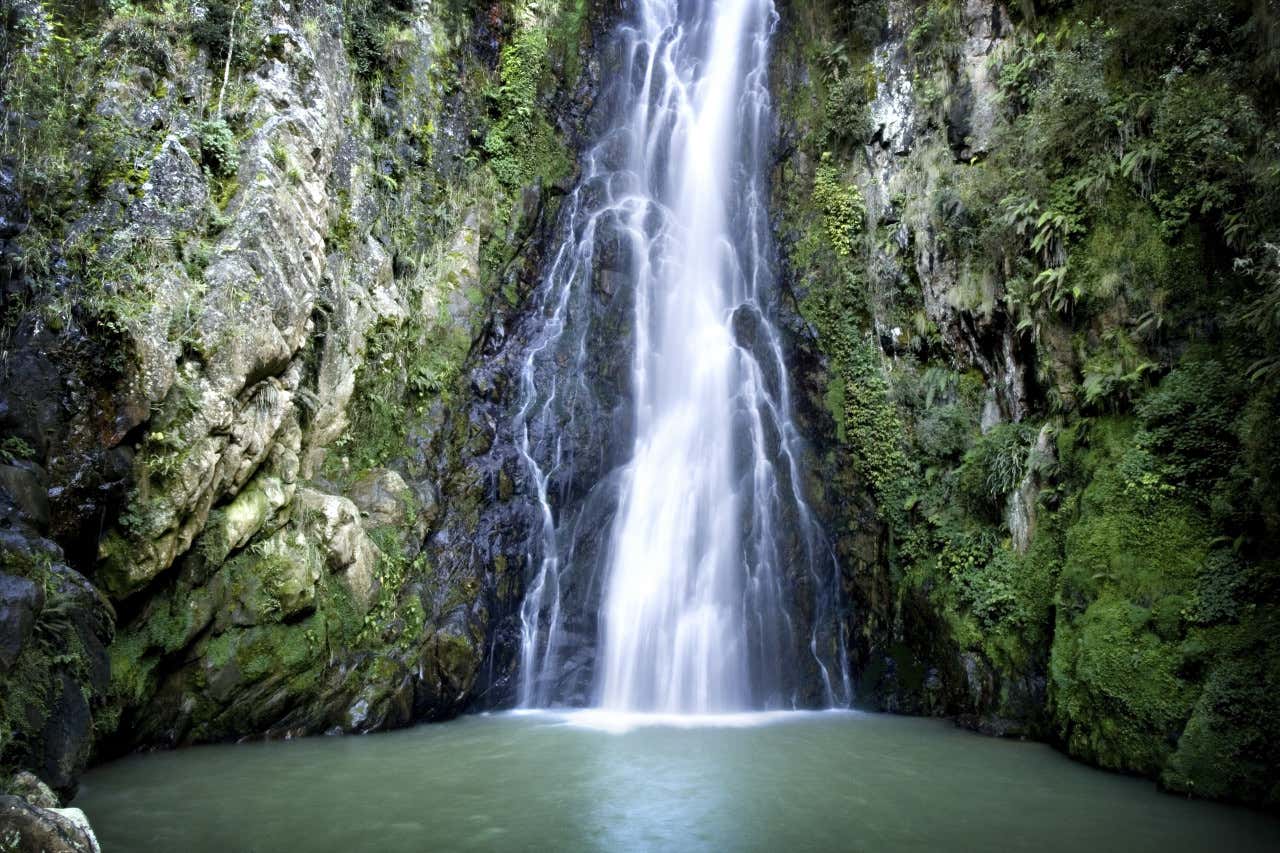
[1052, 352]
[1115, 232]
[445, 134]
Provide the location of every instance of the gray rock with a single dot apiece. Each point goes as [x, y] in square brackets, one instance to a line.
[21, 601]
[333, 523]
[174, 197]
[29, 787]
[382, 496]
[25, 828]
[24, 482]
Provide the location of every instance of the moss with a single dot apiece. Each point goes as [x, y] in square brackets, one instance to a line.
[231, 526]
[275, 650]
[15, 449]
[1231, 744]
[871, 425]
[1120, 687]
[857, 393]
[132, 668]
[1117, 688]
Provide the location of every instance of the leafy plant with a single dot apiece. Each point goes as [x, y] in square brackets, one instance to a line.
[15, 449]
[842, 206]
[218, 148]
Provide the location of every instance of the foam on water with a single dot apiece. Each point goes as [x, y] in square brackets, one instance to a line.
[622, 722]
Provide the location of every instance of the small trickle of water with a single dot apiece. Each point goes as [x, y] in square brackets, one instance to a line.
[712, 542]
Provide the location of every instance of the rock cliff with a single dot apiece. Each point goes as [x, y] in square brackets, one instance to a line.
[1031, 263]
[248, 248]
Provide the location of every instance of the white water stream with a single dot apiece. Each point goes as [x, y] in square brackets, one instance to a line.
[712, 535]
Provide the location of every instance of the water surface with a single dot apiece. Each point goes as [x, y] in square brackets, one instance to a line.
[592, 781]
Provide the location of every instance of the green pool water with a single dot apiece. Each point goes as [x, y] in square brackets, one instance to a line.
[585, 781]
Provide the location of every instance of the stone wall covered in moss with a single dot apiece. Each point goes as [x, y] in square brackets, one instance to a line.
[1032, 260]
[248, 247]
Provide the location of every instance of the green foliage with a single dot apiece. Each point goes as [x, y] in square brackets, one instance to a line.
[1114, 372]
[871, 426]
[75, 163]
[1117, 686]
[15, 449]
[395, 615]
[1189, 423]
[841, 204]
[945, 432]
[935, 30]
[141, 36]
[1159, 651]
[227, 25]
[847, 117]
[994, 466]
[1228, 748]
[1259, 318]
[374, 36]
[857, 394]
[218, 148]
[983, 574]
[520, 144]
[55, 647]
[858, 23]
[406, 365]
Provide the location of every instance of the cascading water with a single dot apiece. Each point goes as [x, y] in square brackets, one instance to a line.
[717, 590]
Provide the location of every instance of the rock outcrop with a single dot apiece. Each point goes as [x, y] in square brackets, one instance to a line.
[1005, 316]
[236, 351]
[25, 828]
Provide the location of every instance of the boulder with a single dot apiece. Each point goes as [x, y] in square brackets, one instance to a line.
[25, 828]
[24, 482]
[383, 498]
[67, 735]
[29, 787]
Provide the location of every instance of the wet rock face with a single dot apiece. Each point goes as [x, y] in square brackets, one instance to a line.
[243, 477]
[972, 107]
[498, 520]
[491, 522]
[21, 601]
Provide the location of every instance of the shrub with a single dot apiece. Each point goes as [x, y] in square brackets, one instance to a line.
[994, 467]
[1189, 423]
[842, 206]
[218, 148]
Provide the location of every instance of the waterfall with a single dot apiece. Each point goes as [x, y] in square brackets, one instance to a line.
[717, 590]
